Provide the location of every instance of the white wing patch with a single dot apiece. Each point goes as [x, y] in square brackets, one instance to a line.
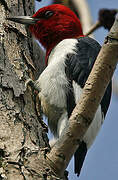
[97, 121]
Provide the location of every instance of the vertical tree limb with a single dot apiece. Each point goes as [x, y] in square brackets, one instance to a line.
[22, 136]
[84, 13]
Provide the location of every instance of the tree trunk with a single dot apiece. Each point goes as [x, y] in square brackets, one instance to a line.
[23, 135]
[23, 139]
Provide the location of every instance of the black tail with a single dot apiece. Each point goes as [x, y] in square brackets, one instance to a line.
[79, 157]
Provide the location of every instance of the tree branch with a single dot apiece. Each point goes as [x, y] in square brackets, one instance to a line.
[84, 12]
[106, 19]
[115, 87]
[84, 112]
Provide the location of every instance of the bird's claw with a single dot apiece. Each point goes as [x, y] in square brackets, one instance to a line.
[29, 82]
[32, 84]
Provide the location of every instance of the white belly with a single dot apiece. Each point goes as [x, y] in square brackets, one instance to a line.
[53, 85]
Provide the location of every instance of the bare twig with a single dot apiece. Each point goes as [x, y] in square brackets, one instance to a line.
[64, 2]
[93, 28]
[106, 19]
[115, 87]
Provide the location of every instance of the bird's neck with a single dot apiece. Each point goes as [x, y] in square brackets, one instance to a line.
[52, 45]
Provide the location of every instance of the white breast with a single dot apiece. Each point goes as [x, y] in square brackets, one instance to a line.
[53, 85]
[53, 81]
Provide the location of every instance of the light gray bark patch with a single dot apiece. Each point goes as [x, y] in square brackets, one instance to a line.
[4, 3]
[8, 77]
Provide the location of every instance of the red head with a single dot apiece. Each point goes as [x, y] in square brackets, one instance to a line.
[52, 24]
[56, 23]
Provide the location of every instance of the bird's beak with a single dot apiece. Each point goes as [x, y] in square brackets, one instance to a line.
[28, 20]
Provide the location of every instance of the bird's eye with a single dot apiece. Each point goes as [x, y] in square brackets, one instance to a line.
[48, 14]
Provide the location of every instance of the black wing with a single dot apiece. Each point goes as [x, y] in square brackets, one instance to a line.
[80, 64]
[78, 67]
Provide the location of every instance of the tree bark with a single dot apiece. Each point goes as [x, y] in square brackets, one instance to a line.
[24, 149]
[22, 133]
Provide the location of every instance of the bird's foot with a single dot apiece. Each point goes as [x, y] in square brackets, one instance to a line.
[33, 84]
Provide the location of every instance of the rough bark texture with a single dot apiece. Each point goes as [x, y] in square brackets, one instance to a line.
[23, 138]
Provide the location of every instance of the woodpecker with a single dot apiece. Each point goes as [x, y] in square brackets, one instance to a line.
[70, 57]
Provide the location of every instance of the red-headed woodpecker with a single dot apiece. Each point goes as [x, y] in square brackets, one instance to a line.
[69, 59]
